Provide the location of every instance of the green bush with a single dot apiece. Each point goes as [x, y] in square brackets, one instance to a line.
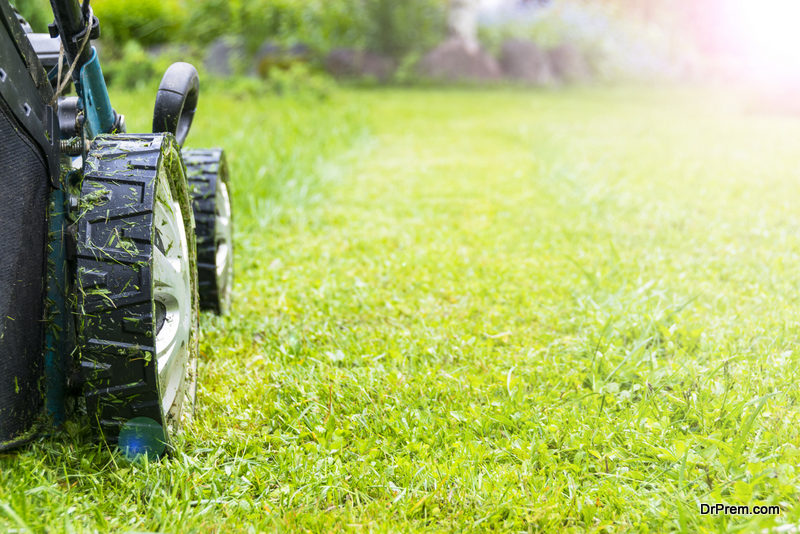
[132, 70]
[132, 67]
[148, 21]
[338, 23]
[386, 26]
[208, 19]
[279, 20]
[401, 28]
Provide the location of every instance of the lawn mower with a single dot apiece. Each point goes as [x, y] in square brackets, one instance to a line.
[111, 242]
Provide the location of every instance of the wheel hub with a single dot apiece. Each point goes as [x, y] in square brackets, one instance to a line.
[171, 282]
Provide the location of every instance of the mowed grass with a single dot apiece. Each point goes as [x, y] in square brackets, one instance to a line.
[477, 310]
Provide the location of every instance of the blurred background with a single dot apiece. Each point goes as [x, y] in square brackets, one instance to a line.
[536, 42]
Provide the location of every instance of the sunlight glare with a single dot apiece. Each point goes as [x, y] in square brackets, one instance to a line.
[769, 37]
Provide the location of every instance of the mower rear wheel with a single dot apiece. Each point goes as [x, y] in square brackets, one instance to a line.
[207, 171]
[137, 290]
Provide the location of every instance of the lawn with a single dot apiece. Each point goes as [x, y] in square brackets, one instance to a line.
[477, 309]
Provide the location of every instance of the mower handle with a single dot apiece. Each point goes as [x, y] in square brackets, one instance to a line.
[176, 101]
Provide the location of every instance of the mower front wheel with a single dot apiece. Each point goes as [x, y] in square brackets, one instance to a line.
[137, 301]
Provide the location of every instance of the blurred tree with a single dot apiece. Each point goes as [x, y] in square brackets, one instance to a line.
[400, 28]
[209, 19]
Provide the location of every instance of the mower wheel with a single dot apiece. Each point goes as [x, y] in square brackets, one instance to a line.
[207, 171]
[137, 304]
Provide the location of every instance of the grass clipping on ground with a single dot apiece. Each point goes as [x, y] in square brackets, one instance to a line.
[505, 310]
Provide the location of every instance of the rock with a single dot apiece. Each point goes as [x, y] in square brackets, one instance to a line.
[524, 61]
[569, 64]
[352, 63]
[224, 56]
[454, 60]
[343, 62]
[377, 66]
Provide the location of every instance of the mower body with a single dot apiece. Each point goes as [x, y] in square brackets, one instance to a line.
[30, 267]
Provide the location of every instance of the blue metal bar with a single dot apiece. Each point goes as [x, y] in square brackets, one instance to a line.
[100, 116]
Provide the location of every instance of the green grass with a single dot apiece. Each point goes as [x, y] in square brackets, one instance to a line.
[470, 309]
